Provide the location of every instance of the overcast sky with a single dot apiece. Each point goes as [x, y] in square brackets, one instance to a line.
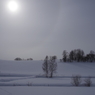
[46, 27]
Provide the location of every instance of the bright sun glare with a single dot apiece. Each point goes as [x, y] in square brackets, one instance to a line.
[13, 6]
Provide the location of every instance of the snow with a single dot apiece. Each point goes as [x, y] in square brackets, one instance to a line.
[21, 67]
[47, 91]
[27, 78]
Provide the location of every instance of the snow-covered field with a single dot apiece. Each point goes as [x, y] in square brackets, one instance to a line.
[26, 78]
[47, 91]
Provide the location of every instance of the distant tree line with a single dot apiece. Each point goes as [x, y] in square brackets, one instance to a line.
[19, 59]
[78, 55]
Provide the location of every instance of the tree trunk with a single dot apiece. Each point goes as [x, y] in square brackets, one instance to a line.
[51, 74]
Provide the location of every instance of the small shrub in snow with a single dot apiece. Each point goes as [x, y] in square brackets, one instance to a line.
[88, 82]
[14, 84]
[29, 84]
[76, 80]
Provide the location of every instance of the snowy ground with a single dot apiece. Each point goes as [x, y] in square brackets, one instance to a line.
[47, 91]
[26, 78]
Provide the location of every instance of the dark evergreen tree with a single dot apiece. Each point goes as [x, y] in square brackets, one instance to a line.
[91, 56]
[65, 55]
[71, 56]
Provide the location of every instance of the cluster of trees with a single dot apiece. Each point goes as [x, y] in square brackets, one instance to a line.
[49, 66]
[78, 55]
[19, 59]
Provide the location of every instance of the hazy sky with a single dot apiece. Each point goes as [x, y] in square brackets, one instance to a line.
[46, 27]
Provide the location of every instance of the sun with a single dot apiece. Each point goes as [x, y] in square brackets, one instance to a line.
[12, 6]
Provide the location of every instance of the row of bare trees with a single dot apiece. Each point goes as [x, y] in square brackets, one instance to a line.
[49, 66]
[78, 55]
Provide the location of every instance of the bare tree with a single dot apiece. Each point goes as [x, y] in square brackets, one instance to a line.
[52, 66]
[45, 66]
[49, 66]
